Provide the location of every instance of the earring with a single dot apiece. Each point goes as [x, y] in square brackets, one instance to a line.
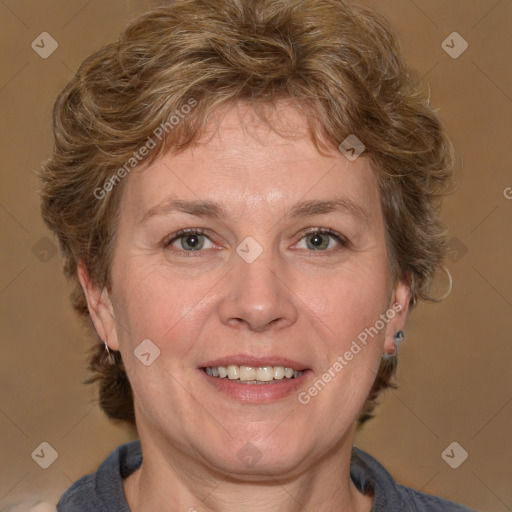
[110, 356]
[398, 337]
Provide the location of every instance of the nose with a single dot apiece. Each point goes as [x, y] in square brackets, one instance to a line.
[258, 295]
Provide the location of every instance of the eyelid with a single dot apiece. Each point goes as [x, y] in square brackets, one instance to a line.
[168, 240]
[182, 232]
[341, 239]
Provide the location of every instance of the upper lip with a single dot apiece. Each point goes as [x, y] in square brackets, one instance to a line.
[255, 361]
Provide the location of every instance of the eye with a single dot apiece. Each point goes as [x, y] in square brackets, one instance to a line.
[319, 239]
[189, 240]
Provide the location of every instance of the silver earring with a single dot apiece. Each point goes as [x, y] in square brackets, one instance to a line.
[110, 356]
[398, 337]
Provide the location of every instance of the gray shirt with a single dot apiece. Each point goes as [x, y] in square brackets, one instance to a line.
[103, 491]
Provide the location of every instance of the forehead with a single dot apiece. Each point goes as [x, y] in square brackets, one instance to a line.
[246, 163]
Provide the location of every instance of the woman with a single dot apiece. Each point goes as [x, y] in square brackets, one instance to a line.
[246, 195]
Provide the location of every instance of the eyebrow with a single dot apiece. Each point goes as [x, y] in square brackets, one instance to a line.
[321, 207]
[199, 208]
[214, 210]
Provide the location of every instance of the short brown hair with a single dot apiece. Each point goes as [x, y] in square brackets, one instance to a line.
[340, 63]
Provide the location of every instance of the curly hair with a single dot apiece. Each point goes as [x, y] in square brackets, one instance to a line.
[340, 63]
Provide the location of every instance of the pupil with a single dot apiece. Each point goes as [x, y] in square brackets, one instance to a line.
[192, 241]
[316, 240]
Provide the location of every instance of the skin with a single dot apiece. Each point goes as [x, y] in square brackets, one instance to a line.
[292, 301]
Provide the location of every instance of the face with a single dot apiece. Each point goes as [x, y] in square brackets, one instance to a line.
[248, 254]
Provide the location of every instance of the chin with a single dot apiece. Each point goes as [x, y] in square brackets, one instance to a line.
[252, 459]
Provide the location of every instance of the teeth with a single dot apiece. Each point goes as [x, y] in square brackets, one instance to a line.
[252, 375]
[233, 372]
[248, 373]
[278, 372]
[265, 373]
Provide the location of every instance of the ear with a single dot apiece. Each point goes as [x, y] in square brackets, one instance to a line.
[100, 308]
[399, 304]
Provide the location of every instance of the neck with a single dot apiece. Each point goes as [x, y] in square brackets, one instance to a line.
[172, 480]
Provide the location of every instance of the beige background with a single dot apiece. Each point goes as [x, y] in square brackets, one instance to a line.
[455, 367]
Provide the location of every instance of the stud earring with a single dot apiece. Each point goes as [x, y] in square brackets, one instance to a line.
[398, 337]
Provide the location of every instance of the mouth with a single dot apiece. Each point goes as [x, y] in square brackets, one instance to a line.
[255, 379]
[252, 374]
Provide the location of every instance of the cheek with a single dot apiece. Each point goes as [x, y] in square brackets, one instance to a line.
[350, 300]
[152, 304]
[349, 350]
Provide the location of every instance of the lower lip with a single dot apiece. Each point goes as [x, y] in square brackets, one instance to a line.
[257, 393]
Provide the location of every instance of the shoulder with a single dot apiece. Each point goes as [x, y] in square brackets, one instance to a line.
[103, 490]
[371, 477]
[80, 493]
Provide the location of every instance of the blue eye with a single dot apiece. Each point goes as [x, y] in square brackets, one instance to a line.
[316, 239]
[320, 240]
[190, 240]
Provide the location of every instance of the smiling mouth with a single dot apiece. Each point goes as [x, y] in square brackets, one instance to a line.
[252, 374]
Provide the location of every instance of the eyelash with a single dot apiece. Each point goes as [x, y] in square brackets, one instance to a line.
[342, 241]
[183, 232]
